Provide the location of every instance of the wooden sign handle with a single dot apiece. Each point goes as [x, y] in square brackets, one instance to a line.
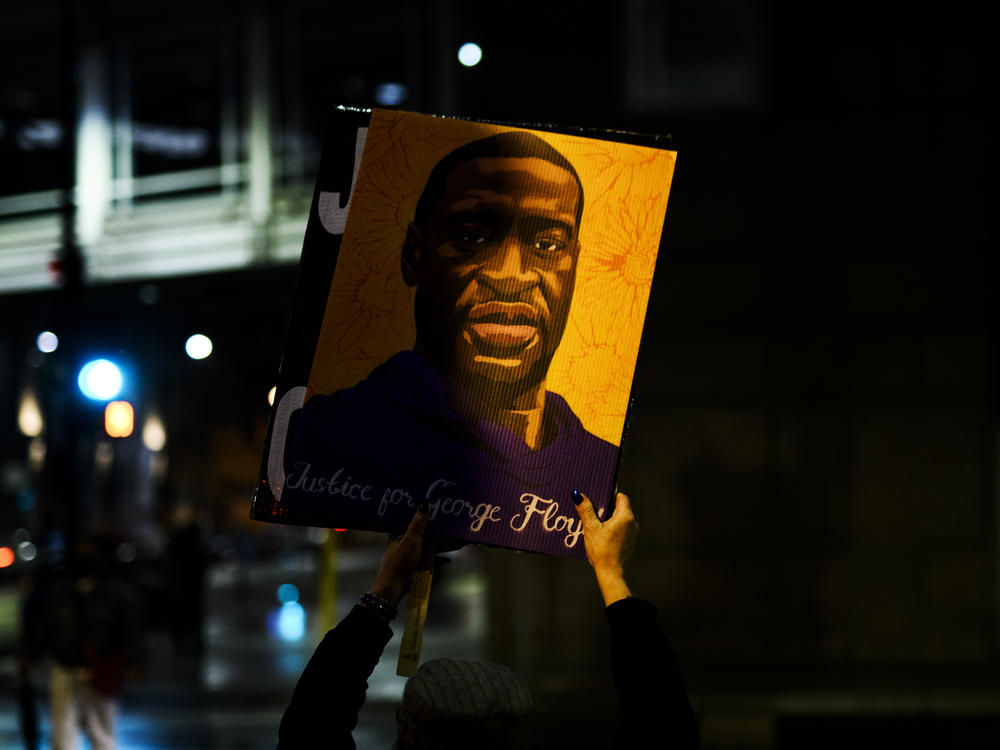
[413, 630]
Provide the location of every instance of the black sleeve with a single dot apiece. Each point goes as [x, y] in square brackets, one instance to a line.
[656, 712]
[324, 707]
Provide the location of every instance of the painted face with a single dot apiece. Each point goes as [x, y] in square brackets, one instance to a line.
[494, 267]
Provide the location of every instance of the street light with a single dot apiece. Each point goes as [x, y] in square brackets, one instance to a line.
[47, 342]
[198, 346]
[29, 416]
[100, 380]
[469, 54]
[119, 419]
[154, 434]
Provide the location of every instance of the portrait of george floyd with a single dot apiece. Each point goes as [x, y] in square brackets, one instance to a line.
[481, 330]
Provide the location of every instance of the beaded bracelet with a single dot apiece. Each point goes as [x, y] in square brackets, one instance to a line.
[381, 605]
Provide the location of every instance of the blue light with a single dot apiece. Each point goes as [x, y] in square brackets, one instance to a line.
[100, 380]
[390, 94]
[25, 500]
[291, 621]
[288, 592]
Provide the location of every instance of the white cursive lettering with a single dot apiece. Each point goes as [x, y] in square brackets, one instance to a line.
[330, 485]
[456, 506]
[545, 512]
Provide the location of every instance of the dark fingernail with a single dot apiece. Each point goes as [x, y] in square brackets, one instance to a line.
[577, 497]
[422, 508]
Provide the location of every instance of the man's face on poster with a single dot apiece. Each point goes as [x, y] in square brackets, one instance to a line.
[494, 266]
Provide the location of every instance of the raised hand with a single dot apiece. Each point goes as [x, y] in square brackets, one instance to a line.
[608, 544]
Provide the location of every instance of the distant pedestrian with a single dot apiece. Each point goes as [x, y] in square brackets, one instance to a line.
[87, 624]
[186, 562]
[31, 595]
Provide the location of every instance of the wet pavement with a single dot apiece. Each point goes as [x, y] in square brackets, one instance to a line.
[234, 696]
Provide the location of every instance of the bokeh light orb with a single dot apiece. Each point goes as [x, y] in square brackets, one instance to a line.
[100, 380]
[47, 342]
[291, 622]
[288, 592]
[198, 346]
[391, 94]
[154, 433]
[469, 54]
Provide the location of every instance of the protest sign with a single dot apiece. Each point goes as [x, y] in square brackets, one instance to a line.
[465, 328]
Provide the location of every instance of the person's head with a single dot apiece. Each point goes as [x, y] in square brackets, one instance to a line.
[450, 704]
[492, 251]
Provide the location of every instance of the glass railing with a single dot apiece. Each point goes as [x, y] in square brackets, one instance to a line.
[192, 221]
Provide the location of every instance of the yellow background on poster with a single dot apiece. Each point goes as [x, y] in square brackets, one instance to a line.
[369, 312]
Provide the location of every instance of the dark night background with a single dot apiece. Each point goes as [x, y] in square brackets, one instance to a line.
[813, 452]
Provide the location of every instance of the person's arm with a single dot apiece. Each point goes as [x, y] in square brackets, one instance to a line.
[331, 690]
[655, 707]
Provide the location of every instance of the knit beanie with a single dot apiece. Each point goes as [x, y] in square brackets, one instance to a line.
[453, 703]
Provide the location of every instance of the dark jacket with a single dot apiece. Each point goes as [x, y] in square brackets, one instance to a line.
[656, 712]
[88, 621]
